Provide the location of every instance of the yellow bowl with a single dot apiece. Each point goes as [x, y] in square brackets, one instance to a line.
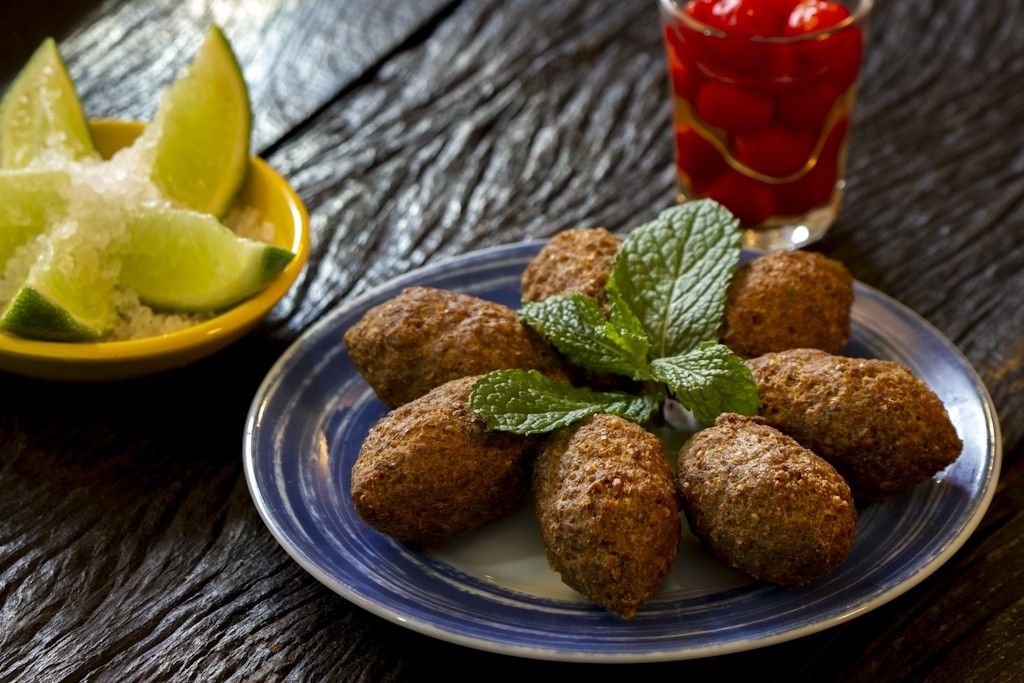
[264, 190]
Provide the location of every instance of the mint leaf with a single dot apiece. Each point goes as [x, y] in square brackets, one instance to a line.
[627, 330]
[527, 402]
[709, 380]
[575, 325]
[673, 273]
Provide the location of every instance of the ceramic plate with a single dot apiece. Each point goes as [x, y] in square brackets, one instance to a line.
[264, 190]
[493, 589]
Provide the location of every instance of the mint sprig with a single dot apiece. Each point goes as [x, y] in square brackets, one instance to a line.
[674, 271]
[709, 380]
[527, 402]
[667, 295]
[576, 326]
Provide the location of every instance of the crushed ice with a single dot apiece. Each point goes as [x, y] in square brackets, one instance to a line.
[103, 195]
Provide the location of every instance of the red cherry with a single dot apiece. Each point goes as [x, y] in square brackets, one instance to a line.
[673, 40]
[837, 54]
[749, 200]
[698, 159]
[735, 56]
[841, 53]
[683, 74]
[750, 17]
[814, 15]
[806, 193]
[815, 188]
[779, 67]
[681, 79]
[732, 58]
[700, 10]
[733, 109]
[681, 82]
[774, 151]
[808, 107]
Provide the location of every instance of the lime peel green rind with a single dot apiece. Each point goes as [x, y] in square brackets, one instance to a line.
[204, 123]
[275, 259]
[31, 314]
[41, 112]
[187, 261]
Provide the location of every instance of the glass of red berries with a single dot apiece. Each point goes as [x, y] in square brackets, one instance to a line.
[762, 92]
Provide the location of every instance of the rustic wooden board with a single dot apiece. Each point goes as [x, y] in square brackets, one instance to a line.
[297, 55]
[129, 548]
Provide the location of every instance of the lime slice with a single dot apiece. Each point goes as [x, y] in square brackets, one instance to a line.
[68, 295]
[188, 261]
[41, 112]
[203, 123]
[30, 201]
[35, 315]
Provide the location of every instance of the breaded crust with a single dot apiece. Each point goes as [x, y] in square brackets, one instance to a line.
[878, 424]
[779, 301]
[430, 471]
[425, 337]
[578, 260]
[788, 300]
[607, 511]
[763, 504]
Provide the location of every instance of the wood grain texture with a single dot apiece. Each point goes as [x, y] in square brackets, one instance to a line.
[297, 55]
[129, 548]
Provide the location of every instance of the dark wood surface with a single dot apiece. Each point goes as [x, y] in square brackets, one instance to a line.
[129, 547]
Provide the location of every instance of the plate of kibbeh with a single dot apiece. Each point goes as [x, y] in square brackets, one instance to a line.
[624, 447]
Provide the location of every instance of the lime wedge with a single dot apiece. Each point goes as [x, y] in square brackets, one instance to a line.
[41, 112]
[188, 261]
[34, 315]
[30, 201]
[68, 295]
[203, 124]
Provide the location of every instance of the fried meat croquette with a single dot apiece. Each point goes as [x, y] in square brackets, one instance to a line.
[878, 424]
[425, 337]
[578, 260]
[788, 300]
[779, 301]
[763, 504]
[430, 470]
[608, 512]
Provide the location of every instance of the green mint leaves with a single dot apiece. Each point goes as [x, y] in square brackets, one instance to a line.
[708, 381]
[673, 273]
[527, 402]
[576, 326]
[666, 299]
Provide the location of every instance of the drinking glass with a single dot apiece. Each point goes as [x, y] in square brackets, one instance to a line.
[761, 122]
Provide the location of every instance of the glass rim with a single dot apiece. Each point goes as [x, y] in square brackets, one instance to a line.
[858, 15]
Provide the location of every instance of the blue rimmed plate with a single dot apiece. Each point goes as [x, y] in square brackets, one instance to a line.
[493, 589]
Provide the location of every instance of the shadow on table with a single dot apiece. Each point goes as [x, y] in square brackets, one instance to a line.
[22, 29]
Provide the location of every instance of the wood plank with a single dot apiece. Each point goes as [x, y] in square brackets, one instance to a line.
[296, 55]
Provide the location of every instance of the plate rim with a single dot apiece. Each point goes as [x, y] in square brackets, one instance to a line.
[427, 628]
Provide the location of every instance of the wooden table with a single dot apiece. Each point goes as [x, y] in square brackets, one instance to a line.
[414, 131]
